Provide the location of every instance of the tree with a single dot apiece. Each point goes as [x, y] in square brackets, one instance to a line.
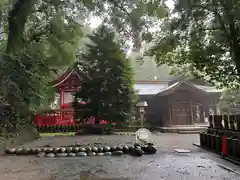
[230, 100]
[205, 35]
[108, 90]
[40, 38]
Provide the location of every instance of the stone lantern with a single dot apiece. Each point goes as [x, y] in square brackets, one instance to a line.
[142, 105]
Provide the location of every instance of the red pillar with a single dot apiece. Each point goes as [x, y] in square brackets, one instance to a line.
[61, 103]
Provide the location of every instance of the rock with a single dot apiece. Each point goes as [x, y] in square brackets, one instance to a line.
[50, 155]
[117, 153]
[38, 150]
[71, 154]
[56, 150]
[69, 149]
[94, 149]
[119, 148]
[150, 150]
[150, 144]
[137, 152]
[10, 151]
[62, 150]
[100, 154]
[75, 149]
[41, 154]
[100, 149]
[91, 154]
[88, 149]
[44, 150]
[82, 149]
[131, 148]
[106, 149]
[33, 150]
[113, 148]
[19, 151]
[136, 144]
[26, 151]
[125, 149]
[61, 154]
[49, 150]
[138, 147]
[81, 154]
[107, 154]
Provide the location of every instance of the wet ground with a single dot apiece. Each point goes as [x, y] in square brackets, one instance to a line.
[165, 165]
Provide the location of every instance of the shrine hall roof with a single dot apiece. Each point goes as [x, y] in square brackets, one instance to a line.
[157, 87]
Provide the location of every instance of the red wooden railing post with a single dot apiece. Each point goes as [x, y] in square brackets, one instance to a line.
[224, 145]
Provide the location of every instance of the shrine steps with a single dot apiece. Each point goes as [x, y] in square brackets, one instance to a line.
[185, 129]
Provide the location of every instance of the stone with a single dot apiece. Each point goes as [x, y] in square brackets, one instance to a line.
[107, 154]
[82, 149]
[33, 151]
[117, 153]
[71, 154]
[100, 149]
[150, 149]
[91, 154]
[25, 151]
[69, 149]
[41, 154]
[106, 149]
[10, 151]
[94, 149]
[56, 150]
[61, 154]
[44, 150]
[125, 149]
[88, 149]
[100, 154]
[136, 144]
[75, 149]
[38, 150]
[113, 148]
[81, 154]
[119, 148]
[50, 155]
[62, 150]
[49, 150]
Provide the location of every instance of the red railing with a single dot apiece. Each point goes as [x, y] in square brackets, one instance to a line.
[60, 117]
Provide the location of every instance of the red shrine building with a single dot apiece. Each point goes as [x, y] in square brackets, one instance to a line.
[170, 102]
[66, 85]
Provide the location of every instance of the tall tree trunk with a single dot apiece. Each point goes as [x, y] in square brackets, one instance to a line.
[17, 19]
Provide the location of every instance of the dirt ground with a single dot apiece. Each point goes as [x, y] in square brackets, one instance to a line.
[165, 165]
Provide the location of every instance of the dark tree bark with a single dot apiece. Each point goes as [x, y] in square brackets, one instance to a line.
[17, 19]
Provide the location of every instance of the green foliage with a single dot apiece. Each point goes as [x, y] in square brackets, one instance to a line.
[40, 38]
[108, 88]
[230, 100]
[205, 35]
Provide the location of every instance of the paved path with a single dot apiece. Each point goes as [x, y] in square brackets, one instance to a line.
[165, 165]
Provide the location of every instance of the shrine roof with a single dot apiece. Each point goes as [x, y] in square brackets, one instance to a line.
[67, 73]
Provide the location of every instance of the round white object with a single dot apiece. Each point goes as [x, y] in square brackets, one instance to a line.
[143, 136]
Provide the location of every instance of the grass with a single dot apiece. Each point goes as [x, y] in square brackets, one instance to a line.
[57, 134]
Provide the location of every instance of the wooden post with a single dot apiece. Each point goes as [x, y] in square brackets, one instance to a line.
[217, 121]
[210, 119]
[226, 121]
[238, 122]
[232, 121]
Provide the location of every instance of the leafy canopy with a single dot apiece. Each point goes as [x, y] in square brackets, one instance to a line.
[107, 88]
[205, 35]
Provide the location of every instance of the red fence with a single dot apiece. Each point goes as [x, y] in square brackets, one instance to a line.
[60, 117]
